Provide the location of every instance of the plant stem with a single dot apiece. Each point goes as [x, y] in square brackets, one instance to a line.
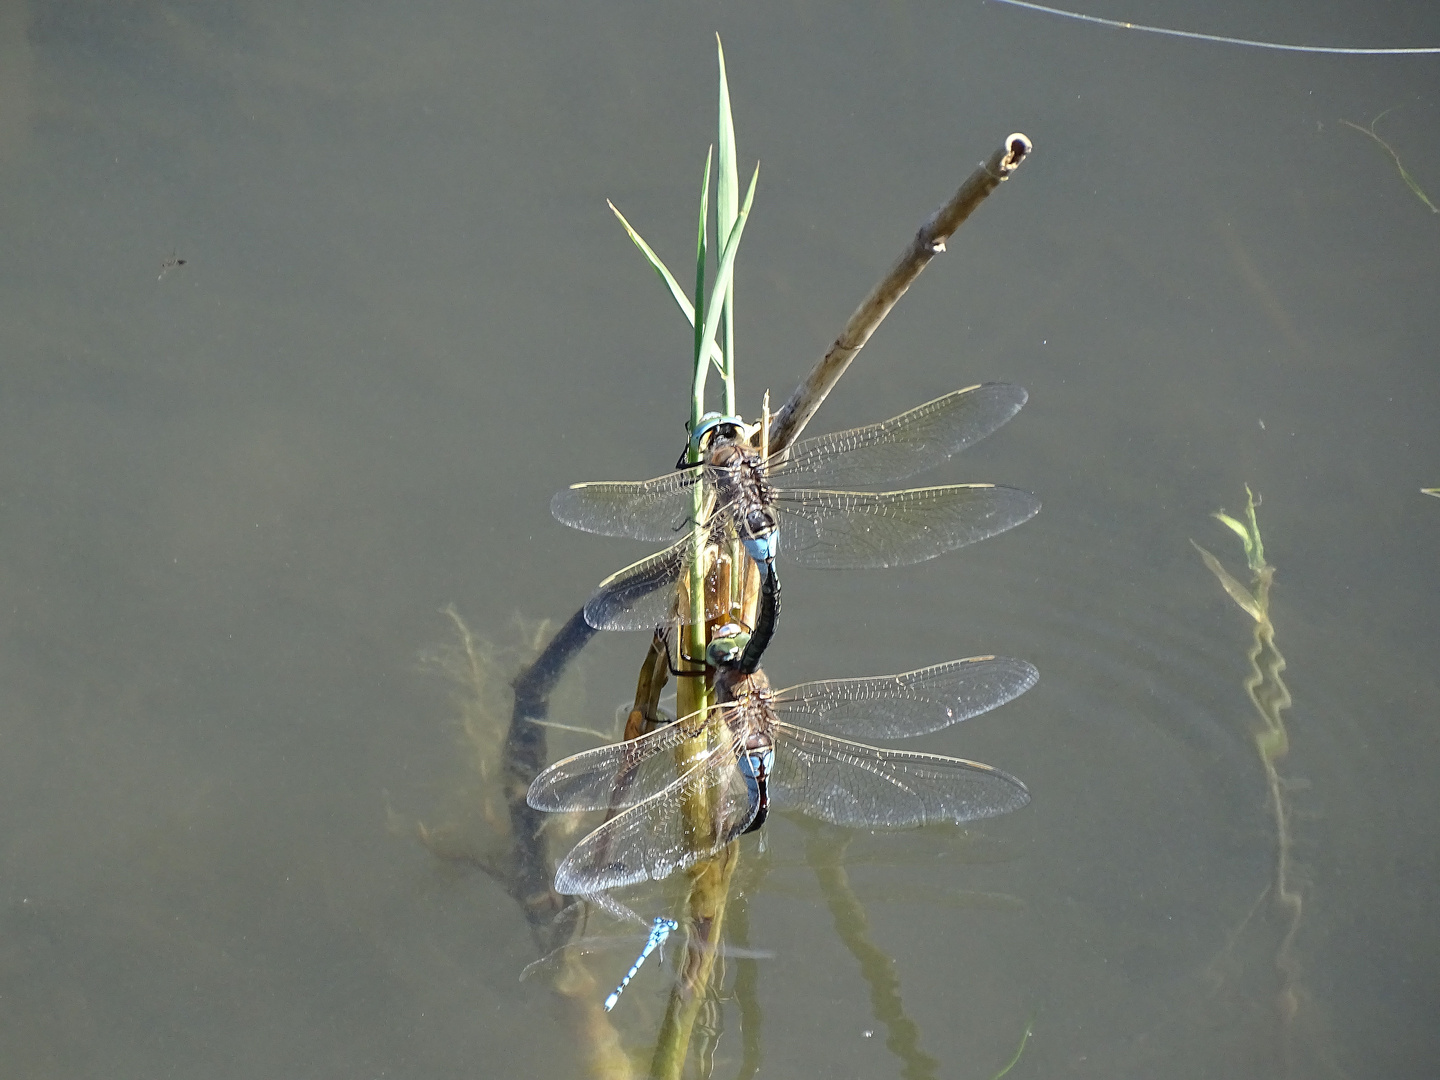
[709, 889]
[1266, 689]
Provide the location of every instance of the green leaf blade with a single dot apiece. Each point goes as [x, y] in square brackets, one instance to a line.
[725, 269]
[659, 266]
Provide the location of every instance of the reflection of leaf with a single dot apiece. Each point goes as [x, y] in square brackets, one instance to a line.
[1239, 593]
[1248, 531]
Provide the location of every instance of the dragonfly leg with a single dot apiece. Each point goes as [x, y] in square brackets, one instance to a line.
[680, 651]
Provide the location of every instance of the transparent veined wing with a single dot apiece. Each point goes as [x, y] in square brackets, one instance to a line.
[845, 530]
[651, 840]
[904, 445]
[640, 596]
[619, 775]
[643, 595]
[878, 453]
[849, 783]
[830, 530]
[899, 706]
[643, 509]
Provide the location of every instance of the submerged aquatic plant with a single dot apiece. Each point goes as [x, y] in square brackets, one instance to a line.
[1404, 175]
[1266, 689]
[472, 826]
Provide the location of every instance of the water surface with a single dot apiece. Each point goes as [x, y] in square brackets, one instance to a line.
[234, 495]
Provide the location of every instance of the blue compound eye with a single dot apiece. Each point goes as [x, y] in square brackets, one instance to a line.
[724, 651]
[709, 422]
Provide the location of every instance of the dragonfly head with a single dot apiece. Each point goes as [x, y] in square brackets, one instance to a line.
[727, 646]
[729, 427]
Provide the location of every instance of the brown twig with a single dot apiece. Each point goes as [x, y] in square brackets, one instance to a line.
[928, 242]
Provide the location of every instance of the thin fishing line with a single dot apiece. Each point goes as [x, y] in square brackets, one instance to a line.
[1333, 50]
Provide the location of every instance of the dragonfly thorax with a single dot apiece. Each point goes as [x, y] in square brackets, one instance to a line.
[738, 474]
[732, 685]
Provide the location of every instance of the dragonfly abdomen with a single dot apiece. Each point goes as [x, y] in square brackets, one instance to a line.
[756, 765]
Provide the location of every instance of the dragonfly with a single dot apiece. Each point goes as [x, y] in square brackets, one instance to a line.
[747, 754]
[794, 507]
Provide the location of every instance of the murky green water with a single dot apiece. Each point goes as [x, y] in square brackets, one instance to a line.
[235, 494]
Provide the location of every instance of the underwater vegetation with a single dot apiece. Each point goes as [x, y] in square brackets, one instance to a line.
[1369, 131]
[1269, 696]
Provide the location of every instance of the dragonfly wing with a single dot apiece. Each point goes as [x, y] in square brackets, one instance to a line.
[644, 509]
[652, 839]
[612, 777]
[849, 783]
[641, 596]
[904, 445]
[917, 702]
[844, 530]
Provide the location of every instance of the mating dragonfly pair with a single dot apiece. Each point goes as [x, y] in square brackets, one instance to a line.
[757, 748]
[792, 508]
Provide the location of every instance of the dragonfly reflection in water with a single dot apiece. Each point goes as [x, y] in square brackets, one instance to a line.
[791, 508]
[752, 756]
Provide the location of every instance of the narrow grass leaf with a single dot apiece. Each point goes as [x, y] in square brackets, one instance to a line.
[726, 210]
[701, 359]
[660, 268]
[681, 300]
[1238, 592]
[727, 201]
[727, 263]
